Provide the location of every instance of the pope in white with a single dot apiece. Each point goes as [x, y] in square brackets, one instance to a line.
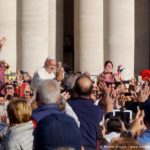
[45, 72]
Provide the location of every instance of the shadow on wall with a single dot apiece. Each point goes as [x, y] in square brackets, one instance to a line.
[142, 36]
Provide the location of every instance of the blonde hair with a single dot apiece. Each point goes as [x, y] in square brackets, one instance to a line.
[19, 111]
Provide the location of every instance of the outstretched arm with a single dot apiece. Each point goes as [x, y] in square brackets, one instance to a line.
[2, 42]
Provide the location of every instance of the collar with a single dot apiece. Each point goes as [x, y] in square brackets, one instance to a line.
[47, 106]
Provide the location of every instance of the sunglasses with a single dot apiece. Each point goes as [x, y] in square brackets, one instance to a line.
[9, 87]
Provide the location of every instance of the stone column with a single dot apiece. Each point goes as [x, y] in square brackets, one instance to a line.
[33, 32]
[119, 33]
[56, 29]
[142, 35]
[8, 29]
[88, 35]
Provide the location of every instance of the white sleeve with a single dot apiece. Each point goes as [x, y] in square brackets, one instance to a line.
[71, 113]
[11, 144]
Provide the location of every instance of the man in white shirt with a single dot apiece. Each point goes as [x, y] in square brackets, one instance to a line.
[46, 72]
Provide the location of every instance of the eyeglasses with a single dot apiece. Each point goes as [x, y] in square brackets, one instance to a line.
[9, 87]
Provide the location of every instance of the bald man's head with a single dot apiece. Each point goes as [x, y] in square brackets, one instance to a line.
[83, 85]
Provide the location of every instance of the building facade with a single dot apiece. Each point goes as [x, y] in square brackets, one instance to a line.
[82, 33]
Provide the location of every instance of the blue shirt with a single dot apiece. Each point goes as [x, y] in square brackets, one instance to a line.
[145, 138]
[89, 116]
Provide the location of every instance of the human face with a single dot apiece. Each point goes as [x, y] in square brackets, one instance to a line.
[26, 77]
[2, 100]
[108, 67]
[51, 66]
[10, 90]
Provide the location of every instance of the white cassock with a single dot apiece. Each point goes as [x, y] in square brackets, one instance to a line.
[39, 75]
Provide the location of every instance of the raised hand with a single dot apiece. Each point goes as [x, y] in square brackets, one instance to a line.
[144, 93]
[2, 41]
[65, 95]
[138, 123]
[103, 87]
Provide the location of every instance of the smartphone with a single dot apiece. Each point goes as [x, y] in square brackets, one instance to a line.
[108, 83]
[127, 94]
[125, 116]
[125, 82]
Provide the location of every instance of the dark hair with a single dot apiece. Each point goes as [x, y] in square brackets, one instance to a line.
[69, 81]
[126, 134]
[101, 139]
[114, 125]
[2, 95]
[80, 89]
[108, 62]
[147, 112]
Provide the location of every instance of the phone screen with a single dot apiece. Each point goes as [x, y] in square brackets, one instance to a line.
[125, 116]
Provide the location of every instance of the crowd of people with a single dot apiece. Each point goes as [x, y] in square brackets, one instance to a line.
[58, 109]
